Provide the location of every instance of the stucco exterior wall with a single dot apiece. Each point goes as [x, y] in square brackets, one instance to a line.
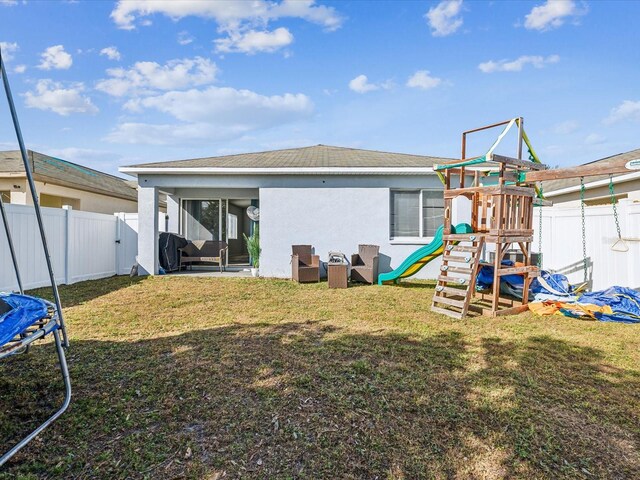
[89, 201]
[330, 219]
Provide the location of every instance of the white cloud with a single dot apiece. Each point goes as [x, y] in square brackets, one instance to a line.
[147, 77]
[8, 49]
[422, 79]
[444, 19]
[594, 139]
[537, 61]
[627, 110]
[565, 128]
[8, 3]
[211, 114]
[171, 134]
[361, 84]
[184, 38]
[228, 13]
[20, 68]
[53, 96]
[253, 41]
[551, 14]
[55, 58]
[225, 105]
[112, 53]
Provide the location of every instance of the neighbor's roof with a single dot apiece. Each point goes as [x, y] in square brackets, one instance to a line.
[61, 172]
[305, 159]
[555, 185]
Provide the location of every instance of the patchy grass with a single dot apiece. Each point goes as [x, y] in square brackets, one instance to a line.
[178, 377]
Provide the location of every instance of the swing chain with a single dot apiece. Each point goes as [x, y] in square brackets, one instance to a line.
[584, 234]
[615, 207]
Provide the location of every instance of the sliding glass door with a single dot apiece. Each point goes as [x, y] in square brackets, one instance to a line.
[204, 219]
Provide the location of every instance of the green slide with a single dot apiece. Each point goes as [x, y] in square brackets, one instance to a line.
[418, 259]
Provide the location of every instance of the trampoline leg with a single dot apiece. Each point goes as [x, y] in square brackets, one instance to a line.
[67, 399]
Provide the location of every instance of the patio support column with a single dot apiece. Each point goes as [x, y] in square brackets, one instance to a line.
[173, 210]
[148, 208]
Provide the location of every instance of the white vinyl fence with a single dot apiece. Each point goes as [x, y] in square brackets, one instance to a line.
[83, 246]
[562, 243]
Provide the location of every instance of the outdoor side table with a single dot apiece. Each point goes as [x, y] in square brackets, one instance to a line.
[337, 275]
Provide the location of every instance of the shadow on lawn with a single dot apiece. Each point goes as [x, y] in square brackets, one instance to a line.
[83, 292]
[303, 400]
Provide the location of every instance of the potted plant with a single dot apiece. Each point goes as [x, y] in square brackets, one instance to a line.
[253, 247]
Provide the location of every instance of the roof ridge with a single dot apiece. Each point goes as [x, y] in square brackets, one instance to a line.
[77, 165]
[291, 149]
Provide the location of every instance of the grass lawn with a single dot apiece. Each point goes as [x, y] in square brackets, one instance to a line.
[178, 377]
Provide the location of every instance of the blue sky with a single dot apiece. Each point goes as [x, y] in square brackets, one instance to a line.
[113, 83]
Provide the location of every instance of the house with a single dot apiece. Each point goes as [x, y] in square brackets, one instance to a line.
[330, 197]
[60, 182]
[566, 192]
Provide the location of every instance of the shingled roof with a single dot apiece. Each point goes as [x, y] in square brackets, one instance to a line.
[554, 185]
[61, 172]
[317, 156]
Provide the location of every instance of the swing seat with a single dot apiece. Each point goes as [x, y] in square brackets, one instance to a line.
[23, 319]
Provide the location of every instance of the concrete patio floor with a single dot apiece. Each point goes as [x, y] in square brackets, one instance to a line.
[231, 271]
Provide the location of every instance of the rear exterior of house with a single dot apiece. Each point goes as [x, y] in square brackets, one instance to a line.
[61, 183]
[329, 197]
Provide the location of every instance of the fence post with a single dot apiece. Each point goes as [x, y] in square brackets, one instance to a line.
[67, 242]
[118, 244]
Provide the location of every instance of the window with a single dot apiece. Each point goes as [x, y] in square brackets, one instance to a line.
[232, 226]
[203, 219]
[6, 197]
[416, 213]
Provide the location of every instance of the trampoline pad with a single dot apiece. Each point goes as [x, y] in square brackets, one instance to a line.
[19, 312]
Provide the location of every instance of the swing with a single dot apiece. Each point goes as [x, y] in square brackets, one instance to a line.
[620, 245]
[23, 318]
[574, 288]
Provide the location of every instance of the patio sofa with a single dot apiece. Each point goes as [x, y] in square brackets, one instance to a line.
[204, 251]
[305, 267]
[364, 264]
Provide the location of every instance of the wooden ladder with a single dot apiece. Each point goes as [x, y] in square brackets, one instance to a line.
[457, 278]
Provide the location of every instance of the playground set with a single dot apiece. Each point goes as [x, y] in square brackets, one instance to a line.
[477, 274]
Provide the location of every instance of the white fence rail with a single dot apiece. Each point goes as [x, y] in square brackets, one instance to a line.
[83, 246]
[562, 243]
[87, 245]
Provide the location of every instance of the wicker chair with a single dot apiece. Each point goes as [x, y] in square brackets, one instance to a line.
[364, 264]
[305, 267]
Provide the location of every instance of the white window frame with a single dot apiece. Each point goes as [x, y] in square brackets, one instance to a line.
[421, 239]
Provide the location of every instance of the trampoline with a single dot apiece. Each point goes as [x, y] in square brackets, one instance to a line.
[25, 319]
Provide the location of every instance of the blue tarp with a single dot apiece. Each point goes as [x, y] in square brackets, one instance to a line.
[17, 313]
[513, 284]
[624, 302]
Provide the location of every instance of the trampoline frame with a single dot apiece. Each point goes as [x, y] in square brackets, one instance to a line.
[53, 323]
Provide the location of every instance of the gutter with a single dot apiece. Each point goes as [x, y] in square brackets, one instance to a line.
[277, 171]
[599, 183]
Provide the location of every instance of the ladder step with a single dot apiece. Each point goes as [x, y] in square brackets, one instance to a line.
[456, 280]
[450, 268]
[462, 248]
[452, 291]
[444, 311]
[460, 237]
[449, 301]
[457, 259]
